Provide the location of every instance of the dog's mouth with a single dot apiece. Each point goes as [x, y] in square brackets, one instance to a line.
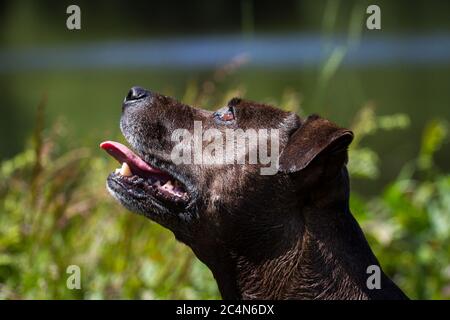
[139, 179]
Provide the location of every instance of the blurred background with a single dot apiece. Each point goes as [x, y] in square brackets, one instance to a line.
[61, 93]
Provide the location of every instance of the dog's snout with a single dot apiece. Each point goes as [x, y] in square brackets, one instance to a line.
[136, 93]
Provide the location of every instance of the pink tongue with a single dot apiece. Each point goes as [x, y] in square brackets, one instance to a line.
[122, 154]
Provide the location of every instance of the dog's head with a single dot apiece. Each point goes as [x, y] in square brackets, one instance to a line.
[220, 204]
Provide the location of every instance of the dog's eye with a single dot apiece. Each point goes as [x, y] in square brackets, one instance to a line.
[224, 115]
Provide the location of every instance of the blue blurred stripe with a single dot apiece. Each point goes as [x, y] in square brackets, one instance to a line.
[263, 51]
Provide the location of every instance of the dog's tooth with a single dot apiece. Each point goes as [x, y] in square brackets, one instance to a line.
[117, 171]
[125, 170]
[168, 185]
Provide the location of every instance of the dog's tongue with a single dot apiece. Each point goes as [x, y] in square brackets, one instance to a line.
[123, 154]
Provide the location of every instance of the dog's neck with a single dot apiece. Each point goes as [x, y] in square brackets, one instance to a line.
[327, 260]
[310, 269]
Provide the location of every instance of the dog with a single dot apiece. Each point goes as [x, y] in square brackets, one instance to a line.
[288, 235]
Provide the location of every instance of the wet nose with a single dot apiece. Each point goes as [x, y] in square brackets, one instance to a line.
[136, 93]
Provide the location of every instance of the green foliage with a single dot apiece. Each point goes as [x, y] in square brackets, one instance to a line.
[408, 225]
[364, 161]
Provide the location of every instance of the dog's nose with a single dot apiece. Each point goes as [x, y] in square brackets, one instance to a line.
[136, 93]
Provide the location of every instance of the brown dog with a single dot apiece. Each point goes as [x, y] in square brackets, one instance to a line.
[288, 235]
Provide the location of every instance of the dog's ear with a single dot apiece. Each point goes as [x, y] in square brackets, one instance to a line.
[316, 137]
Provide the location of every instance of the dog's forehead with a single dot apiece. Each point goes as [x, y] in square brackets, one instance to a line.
[250, 114]
[260, 115]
